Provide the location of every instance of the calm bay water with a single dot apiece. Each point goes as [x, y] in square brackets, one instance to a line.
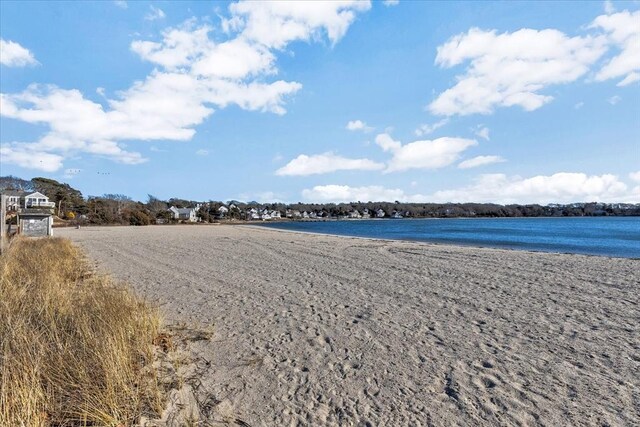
[608, 236]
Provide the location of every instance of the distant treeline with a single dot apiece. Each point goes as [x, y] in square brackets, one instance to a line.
[120, 209]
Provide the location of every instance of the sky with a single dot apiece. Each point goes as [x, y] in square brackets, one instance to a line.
[506, 102]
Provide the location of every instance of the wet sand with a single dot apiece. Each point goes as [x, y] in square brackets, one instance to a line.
[323, 330]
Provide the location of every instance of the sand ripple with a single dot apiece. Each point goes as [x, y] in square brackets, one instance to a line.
[320, 330]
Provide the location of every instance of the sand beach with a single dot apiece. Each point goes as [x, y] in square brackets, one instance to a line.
[323, 330]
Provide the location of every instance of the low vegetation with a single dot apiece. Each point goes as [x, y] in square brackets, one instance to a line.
[75, 348]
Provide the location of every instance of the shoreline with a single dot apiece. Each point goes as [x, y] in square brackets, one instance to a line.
[435, 242]
[326, 330]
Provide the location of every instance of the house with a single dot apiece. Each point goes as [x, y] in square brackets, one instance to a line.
[396, 215]
[13, 199]
[366, 214]
[253, 214]
[355, 214]
[223, 211]
[37, 200]
[296, 214]
[183, 214]
[380, 213]
[275, 214]
[305, 214]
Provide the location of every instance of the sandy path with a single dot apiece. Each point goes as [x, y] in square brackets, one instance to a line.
[321, 330]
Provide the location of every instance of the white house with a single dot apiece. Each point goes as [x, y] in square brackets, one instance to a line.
[13, 199]
[37, 200]
[223, 211]
[355, 214]
[253, 213]
[396, 215]
[380, 213]
[183, 214]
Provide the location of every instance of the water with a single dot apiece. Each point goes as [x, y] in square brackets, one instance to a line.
[608, 236]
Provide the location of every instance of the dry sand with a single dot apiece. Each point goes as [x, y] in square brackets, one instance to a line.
[322, 330]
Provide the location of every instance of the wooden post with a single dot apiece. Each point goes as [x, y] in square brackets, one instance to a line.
[3, 221]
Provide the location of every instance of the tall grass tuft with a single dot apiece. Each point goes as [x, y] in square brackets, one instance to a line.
[75, 348]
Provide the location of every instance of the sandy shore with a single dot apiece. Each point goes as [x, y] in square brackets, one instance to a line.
[322, 330]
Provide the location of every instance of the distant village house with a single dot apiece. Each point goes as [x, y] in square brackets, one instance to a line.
[183, 214]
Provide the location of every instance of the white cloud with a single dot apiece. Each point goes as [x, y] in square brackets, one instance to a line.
[345, 194]
[274, 24]
[387, 143]
[391, 2]
[426, 129]
[121, 4]
[14, 55]
[155, 13]
[261, 197]
[614, 100]
[608, 7]
[511, 69]
[635, 176]
[196, 74]
[578, 105]
[202, 152]
[482, 132]
[425, 154]
[623, 31]
[480, 161]
[26, 157]
[561, 187]
[494, 188]
[358, 125]
[325, 163]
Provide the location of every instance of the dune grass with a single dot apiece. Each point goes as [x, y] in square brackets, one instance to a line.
[75, 348]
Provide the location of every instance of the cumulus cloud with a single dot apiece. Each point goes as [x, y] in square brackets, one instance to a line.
[426, 129]
[561, 187]
[195, 74]
[325, 163]
[480, 161]
[494, 188]
[426, 154]
[482, 132]
[358, 125]
[154, 14]
[274, 24]
[12, 54]
[622, 31]
[27, 157]
[635, 176]
[510, 69]
[614, 100]
[345, 194]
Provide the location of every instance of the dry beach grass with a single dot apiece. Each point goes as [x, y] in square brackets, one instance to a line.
[323, 330]
[72, 344]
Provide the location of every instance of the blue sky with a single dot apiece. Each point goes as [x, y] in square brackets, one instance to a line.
[414, 101]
